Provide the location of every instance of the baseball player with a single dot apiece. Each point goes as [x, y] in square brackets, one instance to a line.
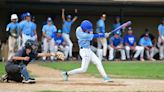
[84, 34]
[67, 23]
[153, 40]
[101, 29]
[13, 29]
[17, 65]
[48, 42]
[60, 43]
[116, 43]
[130, 44]
[28, 29]
[117, 24]
[161, 39]
[148, 46]
[19, 41]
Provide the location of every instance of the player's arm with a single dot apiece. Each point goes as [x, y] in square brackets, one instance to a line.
[45, 54]
[75, 18]
[63, 16]
[160, 35]
[19, 58]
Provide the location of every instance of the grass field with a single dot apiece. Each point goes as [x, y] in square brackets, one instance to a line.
[2, 71]
[145, 70]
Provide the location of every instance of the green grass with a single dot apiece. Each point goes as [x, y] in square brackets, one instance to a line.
[143, 70]
[2, 69]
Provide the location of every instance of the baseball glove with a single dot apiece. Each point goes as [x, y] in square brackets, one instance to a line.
[59, 55]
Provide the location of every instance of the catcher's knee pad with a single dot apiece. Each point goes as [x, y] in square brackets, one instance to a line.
[13, 72]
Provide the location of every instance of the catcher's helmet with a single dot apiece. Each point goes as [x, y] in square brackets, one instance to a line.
[29, 44]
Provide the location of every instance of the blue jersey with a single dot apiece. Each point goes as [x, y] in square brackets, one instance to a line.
[13, 27]
[129, 39]
[28, 28]
[35, 26]
[58, 40]
[161, 29]
[116, 26]
[100, 26]
[116, 41]
[83, 38]
[49, 30]
[145, 42]
[67, 26]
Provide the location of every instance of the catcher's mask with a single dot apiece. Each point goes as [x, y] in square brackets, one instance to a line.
[30, 44]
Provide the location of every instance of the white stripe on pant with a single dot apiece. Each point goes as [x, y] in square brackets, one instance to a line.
[87, 57]
[69, 42]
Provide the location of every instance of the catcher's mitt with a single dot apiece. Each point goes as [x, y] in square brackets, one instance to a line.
[59, 55]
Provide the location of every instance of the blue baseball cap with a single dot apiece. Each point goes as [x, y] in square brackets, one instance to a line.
[49, 19]
[28, 14]
[129, 28]
[59, 31]
[69, 16]
[117, 32]
[87, 25]
[23, 16]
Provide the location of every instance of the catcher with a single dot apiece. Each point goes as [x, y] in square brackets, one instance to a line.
[16, 67]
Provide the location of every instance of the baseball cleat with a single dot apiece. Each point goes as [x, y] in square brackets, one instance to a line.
[107, 79]
[29, 81]
[65, 76]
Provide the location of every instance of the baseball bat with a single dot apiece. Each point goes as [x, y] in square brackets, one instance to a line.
[122, 26]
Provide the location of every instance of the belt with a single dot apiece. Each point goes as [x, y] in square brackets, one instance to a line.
[84, 48]
[65, 33]
[27, 34]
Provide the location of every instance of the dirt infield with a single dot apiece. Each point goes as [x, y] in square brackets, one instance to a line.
[51, 80]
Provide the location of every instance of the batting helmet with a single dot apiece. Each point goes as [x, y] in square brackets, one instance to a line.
[87, 25]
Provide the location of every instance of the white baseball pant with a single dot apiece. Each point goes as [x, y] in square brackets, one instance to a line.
[102, 42]
[139, 51]
[88, 56]
[150, 53]
[19, 41]
[112, 51]
[48, 45]
[99, 52]
[161, 47]
[63, 49]
[27, 37]
[69, 42]
[12, 42]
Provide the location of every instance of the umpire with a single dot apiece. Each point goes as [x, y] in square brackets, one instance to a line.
[16, 66]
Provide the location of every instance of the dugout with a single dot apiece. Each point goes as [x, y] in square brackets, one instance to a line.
[142, 13]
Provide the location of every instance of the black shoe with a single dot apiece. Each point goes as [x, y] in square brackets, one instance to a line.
[32, 78]
[29, 81]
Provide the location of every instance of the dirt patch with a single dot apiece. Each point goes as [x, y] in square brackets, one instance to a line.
[51, 80]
